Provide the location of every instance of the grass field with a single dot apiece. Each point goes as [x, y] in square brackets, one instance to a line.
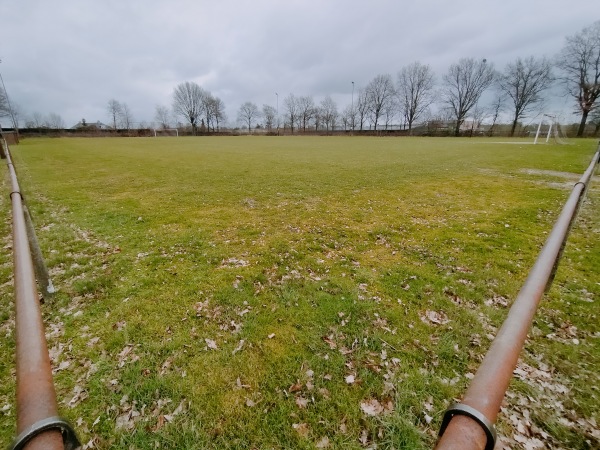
[303, 292]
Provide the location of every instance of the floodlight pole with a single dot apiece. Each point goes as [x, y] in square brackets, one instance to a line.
[352, 107]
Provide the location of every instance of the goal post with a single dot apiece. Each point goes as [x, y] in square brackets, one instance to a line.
[554, 130]
[552, 124]
[166, 132]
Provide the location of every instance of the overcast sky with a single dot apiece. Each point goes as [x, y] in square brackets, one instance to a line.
[71, 57]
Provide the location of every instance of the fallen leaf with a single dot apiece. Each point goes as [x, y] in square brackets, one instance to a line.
[180, 408]
[301, 402]
[160, 422]
[119, 325]
[323, 442]
[371, 407]
[211, 344]
[364, 437]
[295, 387]
[428, 405]
[330, 342]
[438, 318]
[302, 429]
[325, 393]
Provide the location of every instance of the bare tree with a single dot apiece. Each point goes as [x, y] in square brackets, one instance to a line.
[269, 113]
[380, 93]
[579, 61]
[389, 112]
[188, 102]
[216, 107]
[318, 118]
[210, 111]
[306, 110]
[464, 84]
[114, 111]
[126, 116]
[478, 114]
[362, 108]
[495, 109]
[162, 116]
[524, 82]
[36, 120]
[292, 110]
[348, 117]
[248, 112]
[214, 111]
[15, 113]
[9, 110]
[55, 121]
[415, 91]
[329, 112]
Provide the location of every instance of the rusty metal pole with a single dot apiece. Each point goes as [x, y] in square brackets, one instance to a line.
[39, 265]
[36, 398]
[469, 426]
[41, 271]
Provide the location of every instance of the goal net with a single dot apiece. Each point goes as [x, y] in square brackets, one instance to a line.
[559, 136]
[166, 132]
[549, 127]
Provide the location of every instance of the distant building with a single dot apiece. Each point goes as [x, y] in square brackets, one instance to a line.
[90, 126]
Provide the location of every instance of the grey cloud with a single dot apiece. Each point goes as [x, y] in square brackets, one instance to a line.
[71, 57]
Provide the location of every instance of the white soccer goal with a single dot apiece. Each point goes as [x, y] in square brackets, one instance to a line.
[166, 132]
[554, 130]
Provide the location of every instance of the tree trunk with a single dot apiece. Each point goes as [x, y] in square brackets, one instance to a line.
[513, 128]
[584, 116]
[457, 129]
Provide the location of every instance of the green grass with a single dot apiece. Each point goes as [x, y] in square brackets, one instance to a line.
[320, 254]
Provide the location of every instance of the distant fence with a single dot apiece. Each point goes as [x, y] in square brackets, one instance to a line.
[431, 128]
[470, 425]
[11, 137]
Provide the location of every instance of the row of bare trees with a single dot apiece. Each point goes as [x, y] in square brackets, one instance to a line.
[414, 92]
[520, 90]
[382, 101]
[52, 121]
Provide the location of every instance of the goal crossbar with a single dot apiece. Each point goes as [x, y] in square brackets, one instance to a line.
[158, 130]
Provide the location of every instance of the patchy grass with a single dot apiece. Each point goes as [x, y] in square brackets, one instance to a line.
[303, 293]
